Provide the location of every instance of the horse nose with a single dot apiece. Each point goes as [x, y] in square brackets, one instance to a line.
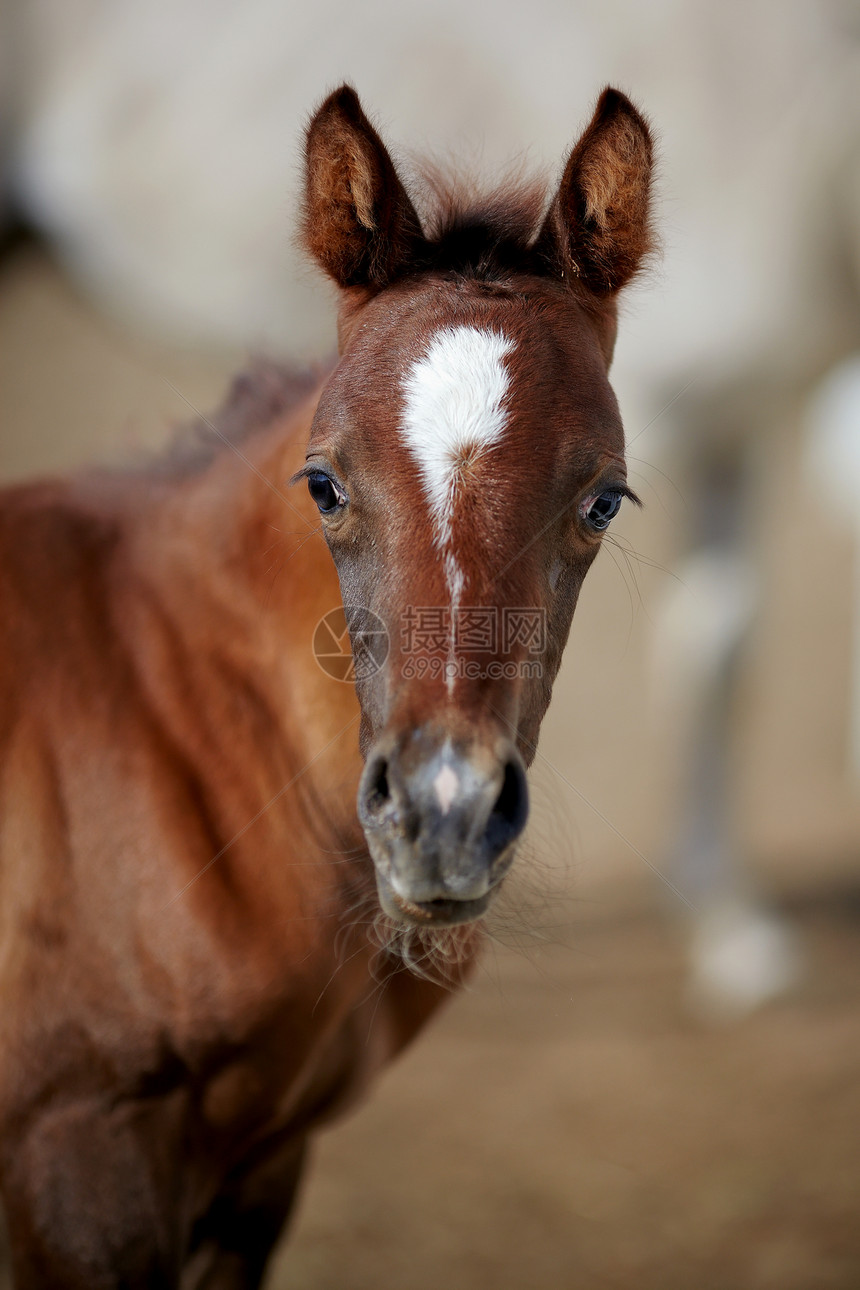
[441, 822]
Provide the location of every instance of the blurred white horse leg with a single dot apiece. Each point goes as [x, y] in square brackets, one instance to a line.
[833, 462]
[741, 955]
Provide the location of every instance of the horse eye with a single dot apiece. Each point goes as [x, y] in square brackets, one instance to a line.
[324, 493]
[600, 511]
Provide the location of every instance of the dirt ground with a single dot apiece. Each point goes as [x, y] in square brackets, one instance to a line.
[566, 1124]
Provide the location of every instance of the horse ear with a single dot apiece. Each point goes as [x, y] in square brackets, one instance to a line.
[597, 227]
[358, 222]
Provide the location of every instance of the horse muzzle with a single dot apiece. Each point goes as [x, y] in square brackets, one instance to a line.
[441, 821]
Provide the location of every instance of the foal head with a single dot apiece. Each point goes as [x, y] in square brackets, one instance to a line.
[466, 457]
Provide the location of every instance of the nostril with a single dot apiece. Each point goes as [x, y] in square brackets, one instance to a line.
[377, 793]
[508, 816]
[512, 803]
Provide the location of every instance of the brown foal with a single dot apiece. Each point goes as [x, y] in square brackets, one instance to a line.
[220, 865]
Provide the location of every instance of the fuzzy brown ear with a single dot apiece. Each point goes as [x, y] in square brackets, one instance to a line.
[597, 227]
[358, 222]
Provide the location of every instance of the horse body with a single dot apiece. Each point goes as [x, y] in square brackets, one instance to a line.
[192, 970]
[198, 1017]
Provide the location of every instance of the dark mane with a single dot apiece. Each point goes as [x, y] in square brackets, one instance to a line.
[263, 393]
[483, 235]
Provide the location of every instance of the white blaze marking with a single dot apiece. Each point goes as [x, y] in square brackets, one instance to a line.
[454, 413]
[447, 785]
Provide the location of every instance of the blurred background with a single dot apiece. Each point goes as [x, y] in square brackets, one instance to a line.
[655, 1080]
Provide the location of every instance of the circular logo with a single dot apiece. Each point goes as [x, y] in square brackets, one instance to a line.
[350, 643]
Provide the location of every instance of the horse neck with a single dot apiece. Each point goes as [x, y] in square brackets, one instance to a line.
[230, 572]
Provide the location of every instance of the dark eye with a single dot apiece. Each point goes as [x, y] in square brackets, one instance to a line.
[600, 511]
[327, 497]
